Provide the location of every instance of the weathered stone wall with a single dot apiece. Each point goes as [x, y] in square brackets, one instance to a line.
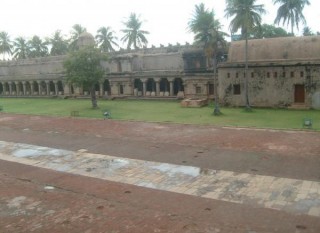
[32, 69]
[268, 85]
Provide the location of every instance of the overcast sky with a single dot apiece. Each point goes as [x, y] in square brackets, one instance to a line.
[166, 20]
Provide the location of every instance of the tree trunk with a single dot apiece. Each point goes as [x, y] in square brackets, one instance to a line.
[93, 97]
[216, 110]
[248, 107]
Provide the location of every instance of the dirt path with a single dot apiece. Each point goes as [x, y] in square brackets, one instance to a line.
[83, 204]
[292, 154]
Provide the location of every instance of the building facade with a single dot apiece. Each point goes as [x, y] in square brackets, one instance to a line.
[282, 72]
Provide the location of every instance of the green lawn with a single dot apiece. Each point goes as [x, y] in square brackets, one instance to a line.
[163, 111]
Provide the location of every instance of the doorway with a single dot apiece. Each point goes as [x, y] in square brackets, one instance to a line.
[299, 93]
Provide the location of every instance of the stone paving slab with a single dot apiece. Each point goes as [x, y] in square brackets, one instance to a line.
[290, 195]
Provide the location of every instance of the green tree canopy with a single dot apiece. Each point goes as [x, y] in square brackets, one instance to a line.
[59, 46]
[290, 12]
[208, 33]
[268, 31]
[106, 39]
[5, 44]
[134, 35]
[83, 69]
[21, 48]
[37, 47]
[246, 15]
[77, 30]
[307, 31]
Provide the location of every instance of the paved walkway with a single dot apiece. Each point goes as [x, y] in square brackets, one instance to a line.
[290, 195]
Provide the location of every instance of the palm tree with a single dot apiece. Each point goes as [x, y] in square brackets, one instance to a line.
[38, 48]
[5, 44]
[290, 11]
[246, 15]
[106, 39]
[307, 31]
[21, 48]
[208, 33]
[59, 46]
[133, 34]
[77, 30]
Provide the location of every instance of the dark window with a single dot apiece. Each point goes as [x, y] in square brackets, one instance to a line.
[301, 74]
[228, 75]
[119, 67]
[211, 89]
[284, 74]
[236, 89]
[121, 89]
[198, 90]
[275, 74]
[292, 74]
[237, 75]
[268, 74]
[252, 75]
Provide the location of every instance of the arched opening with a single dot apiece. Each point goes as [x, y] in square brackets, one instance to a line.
[71, 89]
[106, 87]
[43, 88]
[28, 88]
[151, 85]
[52, 88]
[1, 89]
[121, 89]
[6, 88]
[13, 88]
[20, 88]
[60, 87]
[35, 88]
[137, 87]
[164, 85]
[177, 86]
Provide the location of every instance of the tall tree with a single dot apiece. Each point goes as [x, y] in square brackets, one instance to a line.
[77, 30]
[106, 39]
[134, 35]
[208, 33]
[59, 46]
[38, 48]
[5, 44]
[290, 12]
[21, 48]
[246, 15]
[83, 68]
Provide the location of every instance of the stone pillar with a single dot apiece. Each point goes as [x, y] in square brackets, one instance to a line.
[24, 87]
[48, 87]
[31, 87]
[56, 88]
[171, 87]
[144, 86]
[10, 87]
[39, 88]
[157, 80]
[4, 86]
[17, 88]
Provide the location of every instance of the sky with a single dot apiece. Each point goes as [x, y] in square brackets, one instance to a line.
[166, 20]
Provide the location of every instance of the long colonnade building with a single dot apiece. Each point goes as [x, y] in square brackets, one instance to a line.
[282, 72]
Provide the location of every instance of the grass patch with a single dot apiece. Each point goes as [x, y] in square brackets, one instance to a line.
[164, 111]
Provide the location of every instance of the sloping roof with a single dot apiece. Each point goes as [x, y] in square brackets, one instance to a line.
[275, 49]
